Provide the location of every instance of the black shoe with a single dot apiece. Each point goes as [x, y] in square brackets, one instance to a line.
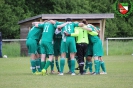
[94, 73]
[77, 68]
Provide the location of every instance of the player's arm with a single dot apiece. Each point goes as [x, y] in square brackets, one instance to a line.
[76, 33]
[62, 25]
[52, 21]
[86, 28]
[57, 31]
[94, 28]
[80, 24]
[34, 23]
[93, 33]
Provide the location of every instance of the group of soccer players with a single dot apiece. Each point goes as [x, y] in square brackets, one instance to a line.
[68, 39]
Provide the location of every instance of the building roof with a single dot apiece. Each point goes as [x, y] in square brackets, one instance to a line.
[73, 16]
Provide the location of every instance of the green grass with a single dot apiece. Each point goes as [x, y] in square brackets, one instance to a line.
[119, 47]
[11, 49]
[114, 48]
[16, 73]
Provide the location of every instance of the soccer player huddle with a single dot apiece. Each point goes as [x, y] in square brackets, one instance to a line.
[60, 40]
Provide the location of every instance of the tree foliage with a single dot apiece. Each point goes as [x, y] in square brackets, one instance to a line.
[12, 11]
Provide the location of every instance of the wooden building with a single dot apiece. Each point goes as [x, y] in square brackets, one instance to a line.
[95, 19]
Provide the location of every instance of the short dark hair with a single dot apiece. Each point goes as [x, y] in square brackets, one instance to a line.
[68, 19]
[84, 21]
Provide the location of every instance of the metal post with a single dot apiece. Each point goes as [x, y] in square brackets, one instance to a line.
[107, 45]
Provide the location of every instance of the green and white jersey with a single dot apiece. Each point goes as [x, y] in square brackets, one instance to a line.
[69, 28]
[95, 38]
[48, 31]
[35, 33]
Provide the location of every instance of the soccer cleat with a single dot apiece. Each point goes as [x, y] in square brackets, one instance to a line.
[52, 72]
[37, 73]
[103, 73]
[73, 74]
[69, 72]
[43, 72]
[77, 68]
[94, 73]
[61, 74]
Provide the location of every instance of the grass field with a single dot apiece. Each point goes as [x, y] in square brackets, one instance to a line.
[16, 73]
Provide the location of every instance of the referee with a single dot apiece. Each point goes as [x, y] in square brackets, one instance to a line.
[81, 44]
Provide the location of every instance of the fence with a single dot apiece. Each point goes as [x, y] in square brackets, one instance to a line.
[107, 39]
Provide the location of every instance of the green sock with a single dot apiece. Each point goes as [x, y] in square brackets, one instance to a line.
[47, 65]
[69, 64]
[43, 64]
[76, 58]
[90, 66]
[96, 62]
[62, 63]
[52, 65]
[38, 65]
[40, 62]
[103, 66]
[72, 65]
[33, 65]
[86, 66]
[57, 65]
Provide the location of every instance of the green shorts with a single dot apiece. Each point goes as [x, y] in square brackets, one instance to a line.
[69, 45]
[39, 49]
[32, 46]
[95, 49]
[47, 48]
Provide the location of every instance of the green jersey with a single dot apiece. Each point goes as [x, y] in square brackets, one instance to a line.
[35, 33]
[95, 38]
[69, 28]
[48, 31]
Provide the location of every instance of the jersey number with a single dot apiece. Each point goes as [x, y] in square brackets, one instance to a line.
[68, 29]
[46, 28]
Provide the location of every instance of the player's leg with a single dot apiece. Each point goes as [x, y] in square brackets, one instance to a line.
[63, 56]
[62, 63]
[68, 62]
[72, 56]
[57, 54]
[38, 59]
[57, 63]
[38, 63]
[52, 65]
[73, 50]
[88, 55]
[50, 52]
[96, 53]
[102, 64]
[32, 50]
[43, 56]
[88, 64]
[80, 55]
[33, 63]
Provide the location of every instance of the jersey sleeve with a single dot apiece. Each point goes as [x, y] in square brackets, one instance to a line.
[93, 33]
[57, 23]
[76, 24]
[76, 32]
[41, 25]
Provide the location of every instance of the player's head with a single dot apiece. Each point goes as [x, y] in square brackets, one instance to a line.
[84, 21]
[68, 19]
